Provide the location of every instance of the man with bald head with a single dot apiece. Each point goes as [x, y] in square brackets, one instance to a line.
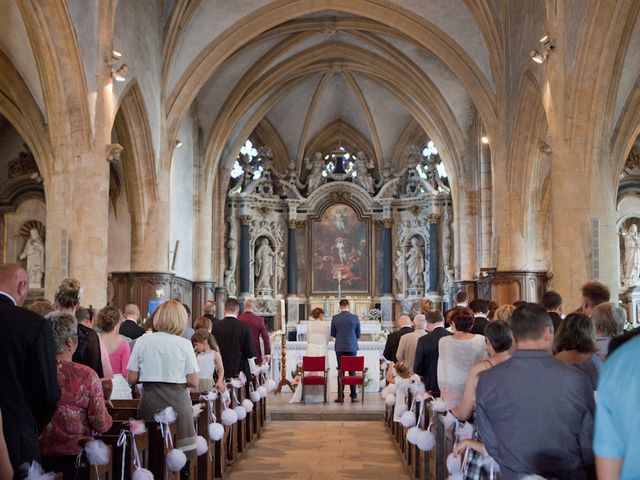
[28, 380]
[393, 340]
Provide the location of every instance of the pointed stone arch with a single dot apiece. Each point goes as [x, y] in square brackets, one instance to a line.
[139, 169]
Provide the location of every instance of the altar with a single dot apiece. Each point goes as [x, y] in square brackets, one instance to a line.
[371, 350]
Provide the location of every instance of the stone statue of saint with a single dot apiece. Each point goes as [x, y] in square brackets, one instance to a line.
[631, 256]
[315, 178]
[33, 252]
[280, 271]
[399, 270]
[264, 264]
[362, 167]
[415, 264]
[446, 238]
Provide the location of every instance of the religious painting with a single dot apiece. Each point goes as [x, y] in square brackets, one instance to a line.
[340, 246]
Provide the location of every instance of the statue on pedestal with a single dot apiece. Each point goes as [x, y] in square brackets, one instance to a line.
[265, 258]
[33, 252]
[280, 269]
[315, 178]
[363, 177]
[415, 264]
[631, 265]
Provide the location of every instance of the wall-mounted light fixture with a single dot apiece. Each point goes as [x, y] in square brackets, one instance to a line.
[484, 140]
[119, 74]
[178, 144]
[540, 56]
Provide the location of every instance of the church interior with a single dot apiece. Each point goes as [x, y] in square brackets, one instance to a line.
[293, 153]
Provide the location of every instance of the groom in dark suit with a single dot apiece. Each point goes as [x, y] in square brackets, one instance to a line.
[345, 328]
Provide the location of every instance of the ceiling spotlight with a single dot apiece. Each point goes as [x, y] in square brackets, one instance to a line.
[178, 143]
[538, 57]
[547, 48]
[485, 140]
[119, 74]
[116, 55]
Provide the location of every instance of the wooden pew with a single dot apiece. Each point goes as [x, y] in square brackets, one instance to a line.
[158, 452]
[240, 425]
[142, 444]
[206, 462]
[65, 466]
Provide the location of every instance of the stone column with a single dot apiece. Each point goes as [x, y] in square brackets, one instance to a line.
[387, 257]
[220, 298]
[245, 267]
[292, 259]
[434, 252]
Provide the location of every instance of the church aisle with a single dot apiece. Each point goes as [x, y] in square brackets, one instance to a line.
[320, 450]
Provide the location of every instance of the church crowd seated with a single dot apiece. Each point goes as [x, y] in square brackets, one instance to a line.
[52, 399]
[536, 396]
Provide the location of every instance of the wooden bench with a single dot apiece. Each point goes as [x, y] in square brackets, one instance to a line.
[142, 445]
[65, 467]
[206, 462]
[158, 452]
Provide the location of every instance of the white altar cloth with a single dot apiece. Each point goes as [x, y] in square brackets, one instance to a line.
[366, 328]
[372, 352]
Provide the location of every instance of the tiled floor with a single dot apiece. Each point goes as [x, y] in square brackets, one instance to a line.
[299, 450]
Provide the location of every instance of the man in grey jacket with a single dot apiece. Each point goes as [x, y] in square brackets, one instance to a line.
[534, 413]
[345, 328]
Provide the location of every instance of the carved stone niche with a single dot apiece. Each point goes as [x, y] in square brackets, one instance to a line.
[507, 287]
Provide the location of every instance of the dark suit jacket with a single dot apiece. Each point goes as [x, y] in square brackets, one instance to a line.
[427, 359]
[479, 324]
[345, 328]
[236, 346]
[556, 319]
[258, 329]
[28, 379]
[130, 329]
[393, 341]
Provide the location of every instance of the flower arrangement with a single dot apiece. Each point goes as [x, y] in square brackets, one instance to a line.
[375, 315]
[296, 376]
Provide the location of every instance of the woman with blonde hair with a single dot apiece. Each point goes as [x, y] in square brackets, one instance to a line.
[504, 313]
[165, 364]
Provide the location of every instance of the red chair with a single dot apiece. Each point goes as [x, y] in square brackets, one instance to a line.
[314, 365]
[349, 365]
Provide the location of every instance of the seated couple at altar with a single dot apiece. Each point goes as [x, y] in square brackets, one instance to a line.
[345, 328]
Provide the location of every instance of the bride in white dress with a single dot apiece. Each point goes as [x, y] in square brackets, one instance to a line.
[317, 340]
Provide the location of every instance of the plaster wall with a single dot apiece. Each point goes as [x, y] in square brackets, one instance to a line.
[119, 247]
[14, 42]
[182, 218]
[84, 14]
[138, 36]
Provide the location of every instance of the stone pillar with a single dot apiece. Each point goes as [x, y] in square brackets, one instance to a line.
[245, 267]
[434, 252]
[220, 298]
[387, 257]
[292, 259]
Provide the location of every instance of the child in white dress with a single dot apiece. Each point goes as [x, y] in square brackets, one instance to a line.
[209, 361]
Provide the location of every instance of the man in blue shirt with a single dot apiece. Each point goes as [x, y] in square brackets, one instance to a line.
[345, 328]
[616, 442]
